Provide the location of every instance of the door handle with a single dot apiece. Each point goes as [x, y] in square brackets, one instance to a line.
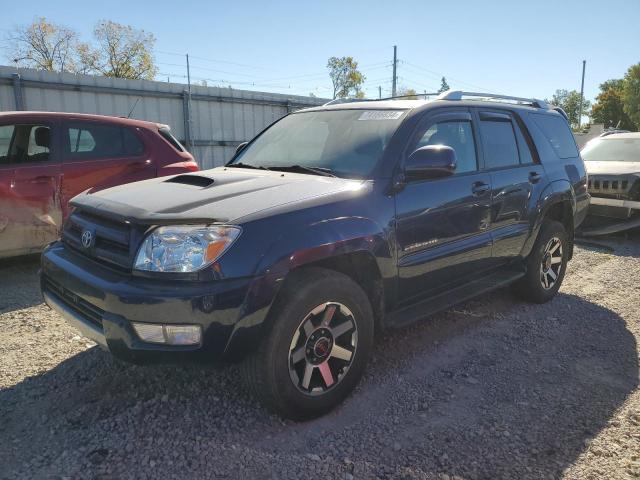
[534, 177]
[140, 165]
[479, 188]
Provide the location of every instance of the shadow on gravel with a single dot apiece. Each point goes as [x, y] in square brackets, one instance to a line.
[19, 283]
[490, 389]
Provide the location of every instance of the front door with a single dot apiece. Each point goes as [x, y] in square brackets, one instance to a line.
[442, 225]
[31, 213]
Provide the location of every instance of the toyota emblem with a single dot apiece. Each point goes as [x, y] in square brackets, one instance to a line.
[87, 238]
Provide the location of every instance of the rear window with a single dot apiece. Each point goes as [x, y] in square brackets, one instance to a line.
[88, 141]
[558, 134]
[166, 134]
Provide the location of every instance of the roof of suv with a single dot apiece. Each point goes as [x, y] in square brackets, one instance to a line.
[80, 116]
[426, 104]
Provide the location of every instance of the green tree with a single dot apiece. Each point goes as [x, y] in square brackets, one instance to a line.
[347, 79]
[121, 51]
[631, 94]
[444, 86]
[408, 93]
[569, 101]
[43, 45]
[609, 106]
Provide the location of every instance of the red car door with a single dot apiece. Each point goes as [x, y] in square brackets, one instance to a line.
[31, 214]
[101, 155]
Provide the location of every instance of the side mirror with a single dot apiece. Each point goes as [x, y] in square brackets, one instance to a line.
[240, 147]
[431, 161]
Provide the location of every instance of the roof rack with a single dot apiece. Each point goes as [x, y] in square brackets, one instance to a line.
[458, 94]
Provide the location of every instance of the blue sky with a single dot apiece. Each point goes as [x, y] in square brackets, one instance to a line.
[512, 47]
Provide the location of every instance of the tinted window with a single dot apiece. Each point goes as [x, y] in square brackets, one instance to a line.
[24, 143]
[523, 147]
[557, 131]
[88, 141]
[457, 135]
[499, 141]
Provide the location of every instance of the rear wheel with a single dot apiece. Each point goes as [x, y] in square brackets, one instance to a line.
[320, 339]
[546, 264]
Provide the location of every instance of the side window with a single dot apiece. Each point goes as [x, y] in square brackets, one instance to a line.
[499, 142]
[458, 135]
[557, 131]
[6, 134]
[28, 143]
[523, 147]
[93, 141]
[132, 144]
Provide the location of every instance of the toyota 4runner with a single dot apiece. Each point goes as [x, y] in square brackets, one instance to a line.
[331, 224]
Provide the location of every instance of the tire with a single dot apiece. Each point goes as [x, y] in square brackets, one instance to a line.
[538, 284]
[277, 375]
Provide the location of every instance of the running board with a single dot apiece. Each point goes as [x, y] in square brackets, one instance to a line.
[411, 314]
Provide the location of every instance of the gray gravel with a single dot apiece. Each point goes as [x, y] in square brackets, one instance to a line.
[493, 388]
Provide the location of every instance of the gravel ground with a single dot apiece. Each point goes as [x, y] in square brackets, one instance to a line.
[493, 388]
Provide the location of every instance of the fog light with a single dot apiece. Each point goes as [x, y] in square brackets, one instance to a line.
[169, 334]
[182, 334]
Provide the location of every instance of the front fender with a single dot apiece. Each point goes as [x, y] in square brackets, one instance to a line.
[304, 245]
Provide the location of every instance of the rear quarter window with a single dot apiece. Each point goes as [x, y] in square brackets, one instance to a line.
[558, 134]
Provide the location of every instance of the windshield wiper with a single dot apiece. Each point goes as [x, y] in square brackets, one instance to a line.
[245, 165]
[325, 172]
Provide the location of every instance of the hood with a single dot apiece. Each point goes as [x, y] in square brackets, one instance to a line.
[612, 168]
[218, 195]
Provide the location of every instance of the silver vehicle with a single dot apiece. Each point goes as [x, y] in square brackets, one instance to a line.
[613, 165]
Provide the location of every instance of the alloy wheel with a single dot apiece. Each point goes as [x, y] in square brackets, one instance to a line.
[551, 263]
[323, 348]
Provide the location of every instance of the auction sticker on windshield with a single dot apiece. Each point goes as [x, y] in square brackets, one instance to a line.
[381, 115]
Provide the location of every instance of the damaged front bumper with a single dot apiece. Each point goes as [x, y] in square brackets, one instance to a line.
[611, 215]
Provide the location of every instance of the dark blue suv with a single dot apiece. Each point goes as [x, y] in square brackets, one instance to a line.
[329, 225]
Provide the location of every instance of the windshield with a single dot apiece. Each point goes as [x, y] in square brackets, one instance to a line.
[612, 149]
[346, 143]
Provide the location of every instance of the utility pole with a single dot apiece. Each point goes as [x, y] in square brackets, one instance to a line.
[395, 77]
[379, 92]
[189, 141]
[584, 66]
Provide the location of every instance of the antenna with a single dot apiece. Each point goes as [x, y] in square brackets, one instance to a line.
[134, 107]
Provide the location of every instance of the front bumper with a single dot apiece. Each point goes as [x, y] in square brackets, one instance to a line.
[611, 215]
[102, 304]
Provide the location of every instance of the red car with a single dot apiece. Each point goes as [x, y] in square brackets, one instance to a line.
[47, 158]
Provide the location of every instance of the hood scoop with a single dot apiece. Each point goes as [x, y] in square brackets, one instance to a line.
[194, 180]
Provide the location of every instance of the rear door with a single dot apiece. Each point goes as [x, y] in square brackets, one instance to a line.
[100, 155]
[442, 224]
[516, 178]
[31, 212]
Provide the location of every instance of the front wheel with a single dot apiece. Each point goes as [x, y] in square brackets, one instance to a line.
[320, 340]
[546, 264]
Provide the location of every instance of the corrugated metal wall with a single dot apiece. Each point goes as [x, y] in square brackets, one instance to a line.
[221, 118]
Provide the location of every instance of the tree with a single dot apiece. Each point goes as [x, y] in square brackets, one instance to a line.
[631, 94]
[121, 51]
[444, 86]
[609, 106]
[43, 45]
[347, 79]
[408, 93]
[569, 101]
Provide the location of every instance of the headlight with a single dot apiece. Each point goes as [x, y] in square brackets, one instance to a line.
[184, 248]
